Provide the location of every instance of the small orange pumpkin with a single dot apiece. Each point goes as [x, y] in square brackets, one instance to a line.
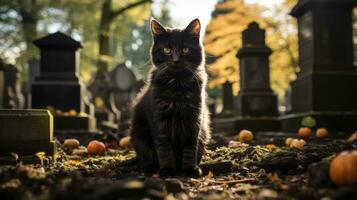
[321, 133]
[288, 141]
[343, 168]
[245, 136]
[71, 143]
[125, 142]
[299, 144]
[72, 112]
[96, 148]
[304, 132]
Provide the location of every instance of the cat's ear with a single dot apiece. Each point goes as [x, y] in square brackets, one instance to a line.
[194, 27]
[156, 28]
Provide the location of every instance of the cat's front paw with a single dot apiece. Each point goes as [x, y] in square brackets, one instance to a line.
[167, 172]
[193, 172]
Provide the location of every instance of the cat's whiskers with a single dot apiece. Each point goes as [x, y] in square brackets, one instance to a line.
[196, 78]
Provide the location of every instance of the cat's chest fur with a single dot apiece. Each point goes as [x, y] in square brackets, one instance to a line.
[178, 99]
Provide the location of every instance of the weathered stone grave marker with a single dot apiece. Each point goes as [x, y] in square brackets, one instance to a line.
[26, 132]
[225, 120]
[255, 107]
[255, 98]
[326, 86]
[228, 97]
[256, 103]
[59, 84]
[13, 98]
[124, 87]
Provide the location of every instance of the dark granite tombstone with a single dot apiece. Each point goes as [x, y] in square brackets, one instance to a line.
[256, 103]
[26, 132]
[13, 98]
[227, 99]
[255, 107]
[326, 86]
[255, 98]
[59, 84]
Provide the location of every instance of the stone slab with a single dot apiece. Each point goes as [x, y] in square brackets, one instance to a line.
[26, 132]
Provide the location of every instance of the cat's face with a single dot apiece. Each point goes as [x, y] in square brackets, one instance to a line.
[176, 49]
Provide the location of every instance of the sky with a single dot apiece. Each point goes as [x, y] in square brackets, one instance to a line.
[183, 11]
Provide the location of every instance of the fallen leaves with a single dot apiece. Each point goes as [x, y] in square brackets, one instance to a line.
[220, 183]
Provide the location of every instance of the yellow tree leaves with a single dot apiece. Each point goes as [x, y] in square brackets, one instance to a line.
[223, 39]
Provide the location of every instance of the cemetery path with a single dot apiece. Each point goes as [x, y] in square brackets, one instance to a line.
[264, 169]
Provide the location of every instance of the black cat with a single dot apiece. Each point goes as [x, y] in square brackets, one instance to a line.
[170, 122]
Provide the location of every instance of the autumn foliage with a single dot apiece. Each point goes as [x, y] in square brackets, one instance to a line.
[223, 39]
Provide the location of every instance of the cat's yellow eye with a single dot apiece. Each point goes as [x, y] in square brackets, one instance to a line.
[167, 51]
[185, 50]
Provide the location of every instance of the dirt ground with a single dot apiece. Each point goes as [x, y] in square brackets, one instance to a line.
[262, 169]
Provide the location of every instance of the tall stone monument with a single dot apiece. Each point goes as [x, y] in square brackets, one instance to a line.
[256, 103]
[59, 84]
[255, 107]
[326, 85]
[255, 97]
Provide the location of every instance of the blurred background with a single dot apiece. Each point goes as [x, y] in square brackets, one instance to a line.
[117, 31]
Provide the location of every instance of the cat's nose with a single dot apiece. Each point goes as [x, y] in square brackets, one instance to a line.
[175, 57]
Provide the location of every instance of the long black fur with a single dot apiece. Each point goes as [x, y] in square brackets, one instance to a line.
[170, 121]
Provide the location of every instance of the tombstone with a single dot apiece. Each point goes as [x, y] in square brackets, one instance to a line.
[124, 86]
[255, 107]
[26, 132]
[227, 99]
[255, 97]
[59, 84]
[13, 98]
[325, 87]
[287, 101]
[256, 104]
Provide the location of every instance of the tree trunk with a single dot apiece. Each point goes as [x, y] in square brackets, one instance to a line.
[29, 15]
[105, 37]
[100, 85]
